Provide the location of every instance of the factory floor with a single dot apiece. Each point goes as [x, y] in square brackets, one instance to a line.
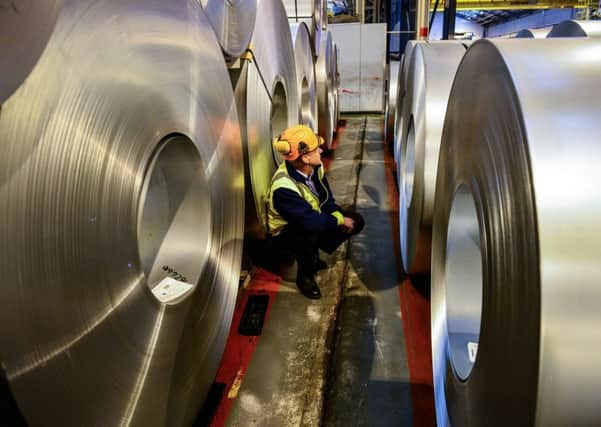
[359, 356]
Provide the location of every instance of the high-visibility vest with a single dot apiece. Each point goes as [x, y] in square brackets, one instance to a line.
[281, 179]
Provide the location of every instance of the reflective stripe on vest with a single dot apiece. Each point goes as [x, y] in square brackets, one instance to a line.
[281, 179]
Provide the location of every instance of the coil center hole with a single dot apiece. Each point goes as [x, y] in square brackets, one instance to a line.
[463, 278]
[279, 115]
[408, 160]
[174, 220]
[306, 104]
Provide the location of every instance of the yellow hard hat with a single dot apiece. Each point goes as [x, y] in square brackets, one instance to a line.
[296, 141]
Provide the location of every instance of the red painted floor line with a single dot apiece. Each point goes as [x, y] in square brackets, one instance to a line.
[239, 348]
[415, 309]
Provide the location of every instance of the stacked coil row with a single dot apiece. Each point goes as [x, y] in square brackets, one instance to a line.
[569, 28]
[129, 149]
[499, 200]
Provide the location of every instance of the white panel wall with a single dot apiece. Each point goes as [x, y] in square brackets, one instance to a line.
[361, 65]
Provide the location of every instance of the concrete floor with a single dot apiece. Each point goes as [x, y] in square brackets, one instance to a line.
[341, 360]
[371, 384]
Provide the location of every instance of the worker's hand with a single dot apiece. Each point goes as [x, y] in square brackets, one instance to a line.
[348, 225]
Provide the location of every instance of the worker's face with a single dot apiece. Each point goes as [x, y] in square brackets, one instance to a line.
[313, 158]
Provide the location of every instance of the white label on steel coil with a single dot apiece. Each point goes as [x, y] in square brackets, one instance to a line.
[472, 351]
[169, 289]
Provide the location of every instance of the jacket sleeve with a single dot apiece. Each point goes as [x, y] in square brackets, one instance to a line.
[298, 212]
[330, 206]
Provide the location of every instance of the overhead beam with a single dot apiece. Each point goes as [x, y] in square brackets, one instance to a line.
[506, 5]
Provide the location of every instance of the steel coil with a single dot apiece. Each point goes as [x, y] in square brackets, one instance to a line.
[233, 23]
[121, 210]
[25, 28]
[573, 28]
[424, 109]
[393, 84]
[325, 89]
[311, 12]
[305, 75]
[267, 100]
[516, 301]
[533, 33]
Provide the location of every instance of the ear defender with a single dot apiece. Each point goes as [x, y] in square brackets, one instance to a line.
[282, 146]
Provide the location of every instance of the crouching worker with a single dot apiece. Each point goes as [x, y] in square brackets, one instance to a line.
[302, 215]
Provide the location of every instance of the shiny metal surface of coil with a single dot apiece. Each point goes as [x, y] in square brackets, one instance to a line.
[121, 174]
[393, 84]
[402, 89]
[572, 28]
[336, 86]
[233, 23]
[311, 12]
[267, 100]
[305, 75]
[533, 33]
[425, 102]
[325, 89]
[516, 301]
[25, 28]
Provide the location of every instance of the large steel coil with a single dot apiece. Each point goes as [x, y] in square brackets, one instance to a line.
[393, 84]
[25, 28]
[121, 210]
[267, 100]
[424, 109]
[573, 28]
[305, 75]
[233, 23]
[516, 301]
[325, 89]
[311, 12]
[533, 33]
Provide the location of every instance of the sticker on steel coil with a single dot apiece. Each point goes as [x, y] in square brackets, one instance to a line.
[472, 351]
[169, 289]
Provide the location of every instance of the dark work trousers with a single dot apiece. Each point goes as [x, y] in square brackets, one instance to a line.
[296, 243]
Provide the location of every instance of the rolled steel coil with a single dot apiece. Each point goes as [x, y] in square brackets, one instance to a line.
[267, 100]
[305, 75]
[516, 301]
[393, 84]
[533, 33]
[121, 209]
[325, 89]
[233, 23]
[25, 28]
[424, 110]
[573, 28]
[311, 12]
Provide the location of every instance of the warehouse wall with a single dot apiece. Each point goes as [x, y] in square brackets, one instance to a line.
[461, 26]
[543, 18]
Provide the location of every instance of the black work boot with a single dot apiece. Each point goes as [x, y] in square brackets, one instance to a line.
[307, 286]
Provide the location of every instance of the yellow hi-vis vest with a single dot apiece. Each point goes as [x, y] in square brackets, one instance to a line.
[281, 179]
